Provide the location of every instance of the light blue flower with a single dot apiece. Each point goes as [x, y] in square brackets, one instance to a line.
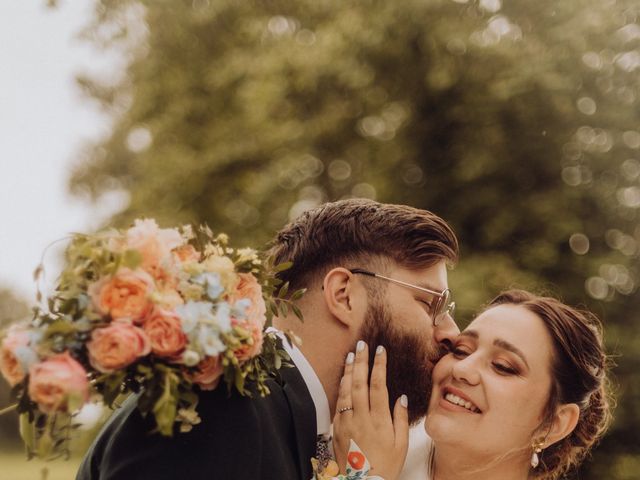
[192, 313]
[223, 316]
[240, 308]
[35, 336]
[26, 356]
[209, 340]
[212, 282]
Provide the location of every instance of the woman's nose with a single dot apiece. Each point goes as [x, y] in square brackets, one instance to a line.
[466, 370]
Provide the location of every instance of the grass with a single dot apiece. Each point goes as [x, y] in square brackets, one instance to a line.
[15, 466]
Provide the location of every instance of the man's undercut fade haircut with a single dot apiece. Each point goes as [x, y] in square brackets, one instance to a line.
[358, 233]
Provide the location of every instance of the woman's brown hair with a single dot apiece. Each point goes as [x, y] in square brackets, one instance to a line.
[579, 375]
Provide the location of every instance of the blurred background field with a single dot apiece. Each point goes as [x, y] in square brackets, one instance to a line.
[516, 121]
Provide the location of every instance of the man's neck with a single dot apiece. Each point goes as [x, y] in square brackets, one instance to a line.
[324, 353]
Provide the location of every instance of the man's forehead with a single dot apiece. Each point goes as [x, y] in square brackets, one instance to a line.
[433, 277]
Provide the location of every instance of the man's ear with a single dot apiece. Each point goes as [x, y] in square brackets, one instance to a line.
[564, 422]
[342, 296]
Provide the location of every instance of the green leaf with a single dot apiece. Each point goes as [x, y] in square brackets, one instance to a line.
[131, 259]
[283, 290]
[297, 312]
[282, 267]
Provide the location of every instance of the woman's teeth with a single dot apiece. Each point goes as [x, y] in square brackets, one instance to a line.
[456, 400]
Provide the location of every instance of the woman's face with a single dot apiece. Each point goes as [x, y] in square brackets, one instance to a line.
[489, 393]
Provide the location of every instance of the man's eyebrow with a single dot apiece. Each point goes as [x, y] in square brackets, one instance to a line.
[511, 348]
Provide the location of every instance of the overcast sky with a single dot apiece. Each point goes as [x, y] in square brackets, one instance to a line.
[43, 122]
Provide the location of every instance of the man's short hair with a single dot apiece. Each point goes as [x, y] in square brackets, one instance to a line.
[361, 233]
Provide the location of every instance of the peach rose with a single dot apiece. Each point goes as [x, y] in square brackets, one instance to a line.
[186, 253]
[124, 295]
[116, 346]
[164, 330]
[168, 298]
[252, 345]
[208, 373]
[10, 366]
[248, 287]
[58, 384]
[154, 244]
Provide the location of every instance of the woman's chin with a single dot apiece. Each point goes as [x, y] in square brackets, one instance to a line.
[451, 426]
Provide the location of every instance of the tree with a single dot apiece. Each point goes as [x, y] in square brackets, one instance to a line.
[517, 123]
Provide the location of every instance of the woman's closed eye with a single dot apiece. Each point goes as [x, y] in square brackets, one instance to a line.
[505, 369]
[460, 351]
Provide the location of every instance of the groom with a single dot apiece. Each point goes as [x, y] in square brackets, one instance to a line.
[373, 272]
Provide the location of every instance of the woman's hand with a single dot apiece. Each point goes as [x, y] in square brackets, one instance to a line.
[383, 441]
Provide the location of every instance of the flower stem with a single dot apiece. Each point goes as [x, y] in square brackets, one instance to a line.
[8, 409]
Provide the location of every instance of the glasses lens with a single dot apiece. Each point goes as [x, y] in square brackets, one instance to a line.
[444, 306]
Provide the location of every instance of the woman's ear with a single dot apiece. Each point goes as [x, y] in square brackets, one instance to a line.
[342, 296]
[564, 422]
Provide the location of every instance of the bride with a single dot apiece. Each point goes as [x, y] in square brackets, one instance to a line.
[521, 395]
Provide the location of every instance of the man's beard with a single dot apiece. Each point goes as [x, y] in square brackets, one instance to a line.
[410, 360]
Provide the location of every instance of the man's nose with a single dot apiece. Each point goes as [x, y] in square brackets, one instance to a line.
[446, 331]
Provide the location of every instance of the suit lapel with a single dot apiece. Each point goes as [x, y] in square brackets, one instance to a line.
[303, 413]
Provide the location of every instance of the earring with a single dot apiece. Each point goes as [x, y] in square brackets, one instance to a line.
[537, 448]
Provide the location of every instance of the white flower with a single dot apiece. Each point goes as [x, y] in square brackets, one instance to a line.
[212, 282]
[210, 342]
[240, 308]
[190, 358]
[193, 313]
[223, 316]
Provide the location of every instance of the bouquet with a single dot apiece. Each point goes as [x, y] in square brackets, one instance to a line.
[157, 312]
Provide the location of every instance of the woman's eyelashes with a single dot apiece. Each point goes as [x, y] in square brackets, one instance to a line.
[501, 367]
[505, 369]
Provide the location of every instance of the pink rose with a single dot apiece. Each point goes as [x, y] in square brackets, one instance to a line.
[208, 373]
[248, 287]
[124, 295]
[155, 246]
[164, 330]
[58, 384]
[251, 346]
[116, 346]
[10, 366]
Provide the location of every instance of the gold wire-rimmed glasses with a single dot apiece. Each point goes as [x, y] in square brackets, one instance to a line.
[443, 304]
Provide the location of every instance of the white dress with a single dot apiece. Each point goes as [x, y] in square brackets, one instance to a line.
[418, 466]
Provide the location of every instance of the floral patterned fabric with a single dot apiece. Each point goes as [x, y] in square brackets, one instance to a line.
[357, 467]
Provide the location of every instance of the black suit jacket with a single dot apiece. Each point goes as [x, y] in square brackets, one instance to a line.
[272, 437]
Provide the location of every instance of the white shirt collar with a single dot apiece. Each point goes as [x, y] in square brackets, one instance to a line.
[318, 395]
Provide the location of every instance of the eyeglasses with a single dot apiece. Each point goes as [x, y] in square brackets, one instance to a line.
[441, 306]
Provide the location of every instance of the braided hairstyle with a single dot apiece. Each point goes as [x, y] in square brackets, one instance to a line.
[579, 375]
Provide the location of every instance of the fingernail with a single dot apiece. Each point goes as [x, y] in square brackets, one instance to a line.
[360, 346]
[350, 358]
[404, 401]
[379, 349]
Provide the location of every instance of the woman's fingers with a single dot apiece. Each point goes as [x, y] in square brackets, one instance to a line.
[360, 382]
[378, 393]
[344, 392]
[401, 425]
[342, 418]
